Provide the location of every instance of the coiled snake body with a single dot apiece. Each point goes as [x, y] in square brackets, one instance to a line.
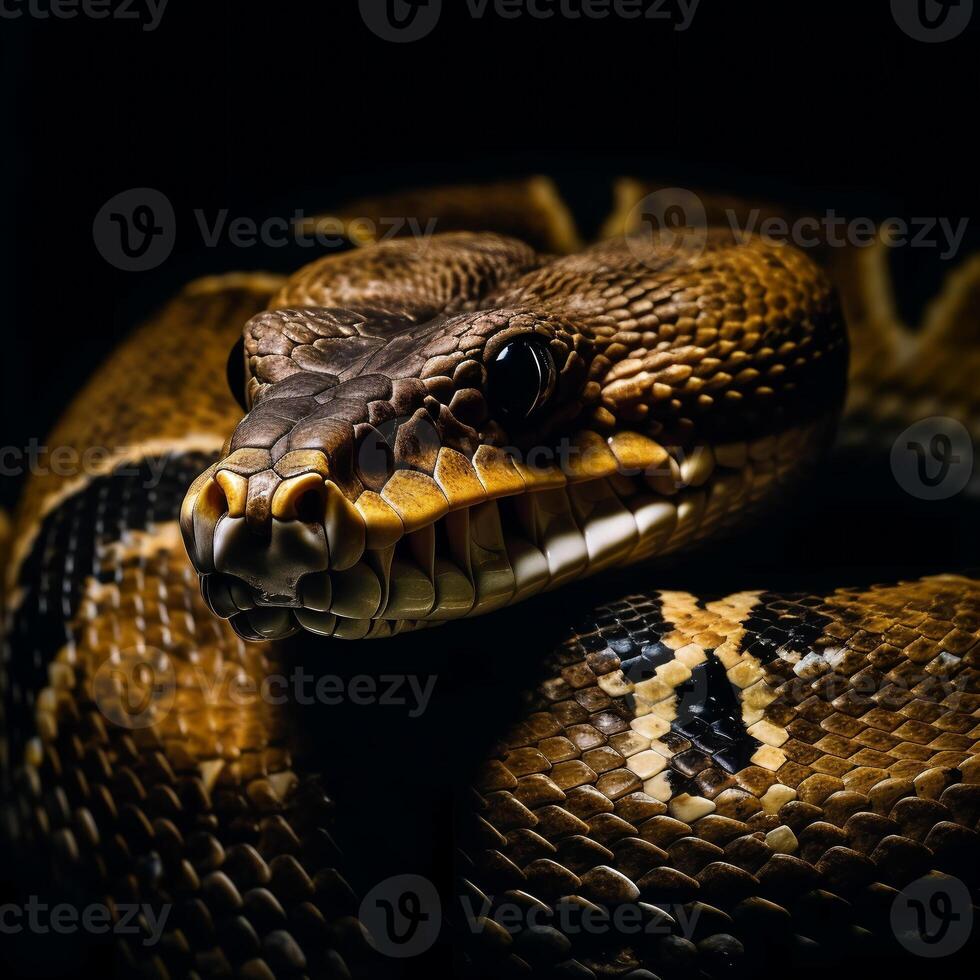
[441, 429]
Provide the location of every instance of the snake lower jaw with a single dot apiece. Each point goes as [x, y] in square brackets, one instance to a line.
[494, 553]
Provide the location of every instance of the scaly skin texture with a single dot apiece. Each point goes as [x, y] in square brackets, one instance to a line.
[769, 767]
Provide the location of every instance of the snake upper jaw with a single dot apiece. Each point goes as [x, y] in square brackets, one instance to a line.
[473, 537]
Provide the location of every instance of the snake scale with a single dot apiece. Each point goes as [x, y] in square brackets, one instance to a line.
[476, 423]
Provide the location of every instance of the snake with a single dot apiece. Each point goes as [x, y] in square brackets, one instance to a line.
[534, 471]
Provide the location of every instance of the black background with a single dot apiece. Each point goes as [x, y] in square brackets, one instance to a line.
[263, 108]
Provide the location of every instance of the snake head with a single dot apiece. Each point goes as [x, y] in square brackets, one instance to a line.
[400, 465]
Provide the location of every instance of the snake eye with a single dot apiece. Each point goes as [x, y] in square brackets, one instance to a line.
[521, 379]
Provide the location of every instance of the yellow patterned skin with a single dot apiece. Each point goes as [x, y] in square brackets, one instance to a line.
[759, 762]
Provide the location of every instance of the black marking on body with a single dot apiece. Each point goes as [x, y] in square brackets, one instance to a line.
[136, 496]
[708, 737]
[783, 621]
[709, 731]
[630, 627]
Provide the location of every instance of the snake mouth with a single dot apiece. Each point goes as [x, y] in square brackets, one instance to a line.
[473, 537]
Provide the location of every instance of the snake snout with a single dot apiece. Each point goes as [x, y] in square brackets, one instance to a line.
[263, 542]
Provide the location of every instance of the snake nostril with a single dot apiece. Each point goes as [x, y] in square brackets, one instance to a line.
[233, 489]
[212, 504]
[300, 498]
[309, 506]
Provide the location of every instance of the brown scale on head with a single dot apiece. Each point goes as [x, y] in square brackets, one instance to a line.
[438, 428]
